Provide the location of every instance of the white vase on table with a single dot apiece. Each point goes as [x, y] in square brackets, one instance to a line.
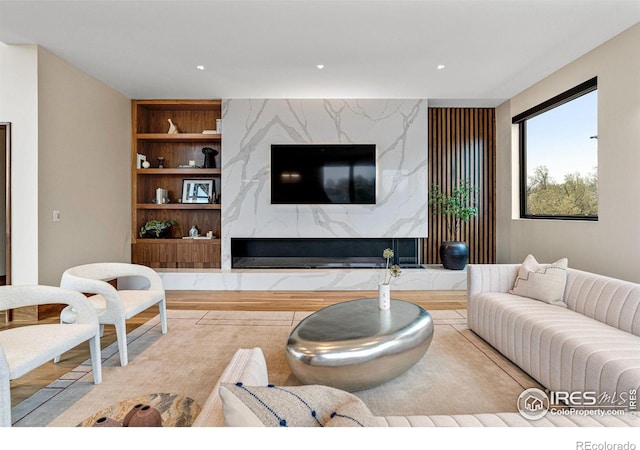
[384, 296]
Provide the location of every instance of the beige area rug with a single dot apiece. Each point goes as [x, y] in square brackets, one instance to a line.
[459, 373]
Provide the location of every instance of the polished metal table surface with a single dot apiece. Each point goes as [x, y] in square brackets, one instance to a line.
[355, 345]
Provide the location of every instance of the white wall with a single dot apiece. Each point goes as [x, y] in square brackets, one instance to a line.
[70, 138]
[19, 105]
[84, 169]
[397, 127]
[611, 245]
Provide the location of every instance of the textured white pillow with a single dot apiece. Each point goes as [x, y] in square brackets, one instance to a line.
[291, 406]
[544, 282]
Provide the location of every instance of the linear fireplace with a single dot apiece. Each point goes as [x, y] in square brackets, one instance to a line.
[316, 253]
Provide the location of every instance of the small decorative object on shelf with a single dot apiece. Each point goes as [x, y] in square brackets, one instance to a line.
[140, 160]
[219, 125]
[160, 162]
[162, 196]
[146, 164]
[172, 128]
[198, 190]
[193, 232]
[209, 157]
[384, 288]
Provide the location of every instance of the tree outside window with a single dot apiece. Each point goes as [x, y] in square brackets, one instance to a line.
[559, 156]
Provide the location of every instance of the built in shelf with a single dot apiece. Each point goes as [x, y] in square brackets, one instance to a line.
[180, 137]
[185, 171]
[178, 240]
[178, 206]
[183, 105]
[197, 121]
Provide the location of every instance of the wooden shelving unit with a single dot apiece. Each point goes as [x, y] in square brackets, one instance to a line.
[150, 138]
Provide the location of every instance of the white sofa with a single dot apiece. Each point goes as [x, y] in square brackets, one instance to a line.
[249, 366]
[592, 345]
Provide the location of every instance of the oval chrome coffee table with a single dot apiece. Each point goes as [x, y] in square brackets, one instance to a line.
[354, 345]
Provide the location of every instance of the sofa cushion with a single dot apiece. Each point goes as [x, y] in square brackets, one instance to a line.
[292, 406]
[246, 364]
[544, 282]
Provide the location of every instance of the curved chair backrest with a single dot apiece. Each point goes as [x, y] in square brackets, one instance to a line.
[18, 296]
[110, 270]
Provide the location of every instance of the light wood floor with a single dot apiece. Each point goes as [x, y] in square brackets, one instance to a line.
[302, 300]
[30, 383]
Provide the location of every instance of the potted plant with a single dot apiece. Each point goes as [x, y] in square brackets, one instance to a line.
[456, 207]
[157, 229]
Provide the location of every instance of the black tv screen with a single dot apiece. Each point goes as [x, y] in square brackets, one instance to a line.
[323, 174]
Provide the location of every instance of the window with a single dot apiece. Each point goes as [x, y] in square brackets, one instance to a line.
[559, 156]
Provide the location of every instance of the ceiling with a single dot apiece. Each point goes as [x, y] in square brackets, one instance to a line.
[492, 49]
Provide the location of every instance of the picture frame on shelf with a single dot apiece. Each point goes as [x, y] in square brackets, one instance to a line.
[198, 190]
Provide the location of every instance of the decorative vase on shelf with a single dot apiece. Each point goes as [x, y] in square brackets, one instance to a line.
[384, 296]
[172, 128]
[209, 157]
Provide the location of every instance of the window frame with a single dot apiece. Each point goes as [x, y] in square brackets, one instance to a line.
[521, 120]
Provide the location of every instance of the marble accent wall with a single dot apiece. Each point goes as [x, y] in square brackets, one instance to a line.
[397, 127]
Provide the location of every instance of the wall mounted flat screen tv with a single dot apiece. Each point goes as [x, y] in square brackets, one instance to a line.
[323, 174]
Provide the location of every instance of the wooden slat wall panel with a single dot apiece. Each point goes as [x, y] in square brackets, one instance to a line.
[462, 145]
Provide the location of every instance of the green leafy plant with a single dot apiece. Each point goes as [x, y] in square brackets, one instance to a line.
[390, 272]
[156, 227]
[456, 207]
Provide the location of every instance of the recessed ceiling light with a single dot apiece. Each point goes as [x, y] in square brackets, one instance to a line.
[320, 66]
[440, 66]
[200, 67]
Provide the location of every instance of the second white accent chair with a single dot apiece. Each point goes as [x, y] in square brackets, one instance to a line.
[27, 347]
[115, 306]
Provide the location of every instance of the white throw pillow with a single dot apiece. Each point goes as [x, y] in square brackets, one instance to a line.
[544, 282]
[291, 406]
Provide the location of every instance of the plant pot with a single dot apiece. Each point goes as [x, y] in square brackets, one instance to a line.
[151, 234]
[454, 255]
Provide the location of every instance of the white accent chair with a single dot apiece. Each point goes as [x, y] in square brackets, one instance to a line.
[115, 306]
[27, 347]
